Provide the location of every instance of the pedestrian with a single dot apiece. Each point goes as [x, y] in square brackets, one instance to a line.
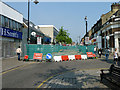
[18, 51]
[95, 49]
[115, 57]
[107, 53]
[100, 52]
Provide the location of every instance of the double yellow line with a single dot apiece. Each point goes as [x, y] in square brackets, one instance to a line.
[15, 68]
[66, 72]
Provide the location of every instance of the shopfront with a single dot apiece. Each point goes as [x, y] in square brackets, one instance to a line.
[10, 40]
[10, 30]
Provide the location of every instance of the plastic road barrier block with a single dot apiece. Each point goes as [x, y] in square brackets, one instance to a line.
[77, 57]
[84, 57]
[64, 57]
[57, 58]
[71, 57]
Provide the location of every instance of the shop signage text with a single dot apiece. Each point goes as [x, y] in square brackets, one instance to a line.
[10, 33]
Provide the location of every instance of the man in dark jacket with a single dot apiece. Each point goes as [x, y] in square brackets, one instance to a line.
[100, 52]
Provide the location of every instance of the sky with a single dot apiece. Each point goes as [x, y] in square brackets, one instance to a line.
[70, 15]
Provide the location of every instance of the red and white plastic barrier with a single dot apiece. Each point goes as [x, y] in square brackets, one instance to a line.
[69, 57]
[57, 58]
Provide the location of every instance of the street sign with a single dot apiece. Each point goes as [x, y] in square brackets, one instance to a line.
[37, 56]
[38, 40]
[86, 40]
[48, 56]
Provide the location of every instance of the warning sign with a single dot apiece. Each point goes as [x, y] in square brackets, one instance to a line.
[90, 54]
[37, 56]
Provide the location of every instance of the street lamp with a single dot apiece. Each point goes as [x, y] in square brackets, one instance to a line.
[85, 38]
[36, 2]
[86, 24]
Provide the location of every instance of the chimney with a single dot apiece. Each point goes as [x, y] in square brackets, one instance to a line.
[115, 6]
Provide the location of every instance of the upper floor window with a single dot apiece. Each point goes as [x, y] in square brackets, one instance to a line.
[19, 27]
[0, 20]
[6, 22]
[3, 21]
[10, 24]
[13, 24]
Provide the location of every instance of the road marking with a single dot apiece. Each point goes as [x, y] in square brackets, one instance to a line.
[65, 72]
[15, 68]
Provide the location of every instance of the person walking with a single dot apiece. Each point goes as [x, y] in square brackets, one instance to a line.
[100, 52]
[107, 53]
[95, 49]
[18, 51]
[115, 57]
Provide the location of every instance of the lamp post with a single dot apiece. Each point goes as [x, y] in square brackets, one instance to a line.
[86, 30]
[36, 2]
[86, 24]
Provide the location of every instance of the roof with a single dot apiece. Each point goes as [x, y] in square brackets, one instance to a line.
[11, 7]
[47, 26]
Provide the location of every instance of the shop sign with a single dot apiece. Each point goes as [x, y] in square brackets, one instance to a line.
[10, 33]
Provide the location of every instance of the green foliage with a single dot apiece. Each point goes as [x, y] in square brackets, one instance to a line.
[63, 36]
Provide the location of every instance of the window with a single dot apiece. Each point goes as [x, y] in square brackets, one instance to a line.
[20, 27]
[10, 23]
[3, 21]
[6, 22]
[17, 27]
[0, 20]
[13, 24]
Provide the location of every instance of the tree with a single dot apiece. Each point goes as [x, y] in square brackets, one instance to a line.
[63, 36]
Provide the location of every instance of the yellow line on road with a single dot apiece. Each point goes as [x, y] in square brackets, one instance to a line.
[65, 72]
[15, 68]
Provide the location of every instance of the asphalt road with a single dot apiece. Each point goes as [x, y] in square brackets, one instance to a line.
[31, 76]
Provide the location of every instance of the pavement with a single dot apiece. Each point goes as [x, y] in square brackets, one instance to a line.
[10, 63]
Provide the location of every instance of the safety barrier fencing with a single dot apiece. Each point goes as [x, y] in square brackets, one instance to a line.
[44, 49]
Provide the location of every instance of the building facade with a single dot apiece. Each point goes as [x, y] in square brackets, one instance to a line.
[10, 30]
[111, 32]
[36, 36]
[49, 30]
[106, 32]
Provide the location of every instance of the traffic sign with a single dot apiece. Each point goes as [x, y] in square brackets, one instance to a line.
[48, 56]
[37, 56]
